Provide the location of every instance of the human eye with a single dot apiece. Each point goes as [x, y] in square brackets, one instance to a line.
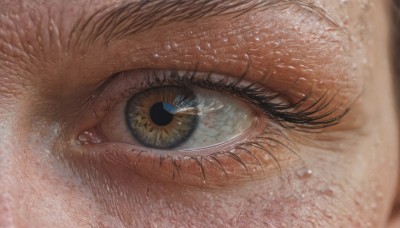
[176, 111]
[200, 128]
[215, 106]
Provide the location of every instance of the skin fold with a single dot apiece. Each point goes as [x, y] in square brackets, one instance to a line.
[59, 80]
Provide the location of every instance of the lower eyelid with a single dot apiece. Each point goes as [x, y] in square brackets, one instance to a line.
[256, 159]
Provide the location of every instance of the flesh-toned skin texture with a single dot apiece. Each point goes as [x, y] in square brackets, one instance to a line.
[58, 170]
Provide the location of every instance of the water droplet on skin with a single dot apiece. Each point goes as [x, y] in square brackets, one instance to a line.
[87, 137]
[198, 48]
[174, 45]
[257, 38]
[304, 173]
[156, 56]
[277, 42]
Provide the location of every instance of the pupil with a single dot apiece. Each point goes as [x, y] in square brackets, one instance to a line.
[159, 115]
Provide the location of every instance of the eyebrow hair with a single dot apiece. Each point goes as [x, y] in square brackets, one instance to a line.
[126, 19]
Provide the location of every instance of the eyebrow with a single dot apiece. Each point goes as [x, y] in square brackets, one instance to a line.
[116, 22]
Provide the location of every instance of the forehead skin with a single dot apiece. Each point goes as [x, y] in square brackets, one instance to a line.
[34, 56]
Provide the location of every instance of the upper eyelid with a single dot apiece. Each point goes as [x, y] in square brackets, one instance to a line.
[301, 115]
[295, 52]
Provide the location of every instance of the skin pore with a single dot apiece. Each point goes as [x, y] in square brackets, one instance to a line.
[61, 81]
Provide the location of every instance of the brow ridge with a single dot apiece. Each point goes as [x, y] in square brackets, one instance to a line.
[116, 22]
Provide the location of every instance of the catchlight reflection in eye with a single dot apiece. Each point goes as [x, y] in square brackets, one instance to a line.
[184, 118]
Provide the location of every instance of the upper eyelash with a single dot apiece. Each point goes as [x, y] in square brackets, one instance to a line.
[317, 115]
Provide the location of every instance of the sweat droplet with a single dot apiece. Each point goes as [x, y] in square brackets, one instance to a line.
[304, 173]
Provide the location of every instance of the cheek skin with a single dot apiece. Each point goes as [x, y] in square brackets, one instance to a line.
[317, 192]
[36, 187]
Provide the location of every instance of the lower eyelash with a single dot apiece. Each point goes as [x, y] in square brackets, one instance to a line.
[255, 157]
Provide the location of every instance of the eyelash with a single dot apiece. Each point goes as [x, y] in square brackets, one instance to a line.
[284, 115]
[272, 104]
